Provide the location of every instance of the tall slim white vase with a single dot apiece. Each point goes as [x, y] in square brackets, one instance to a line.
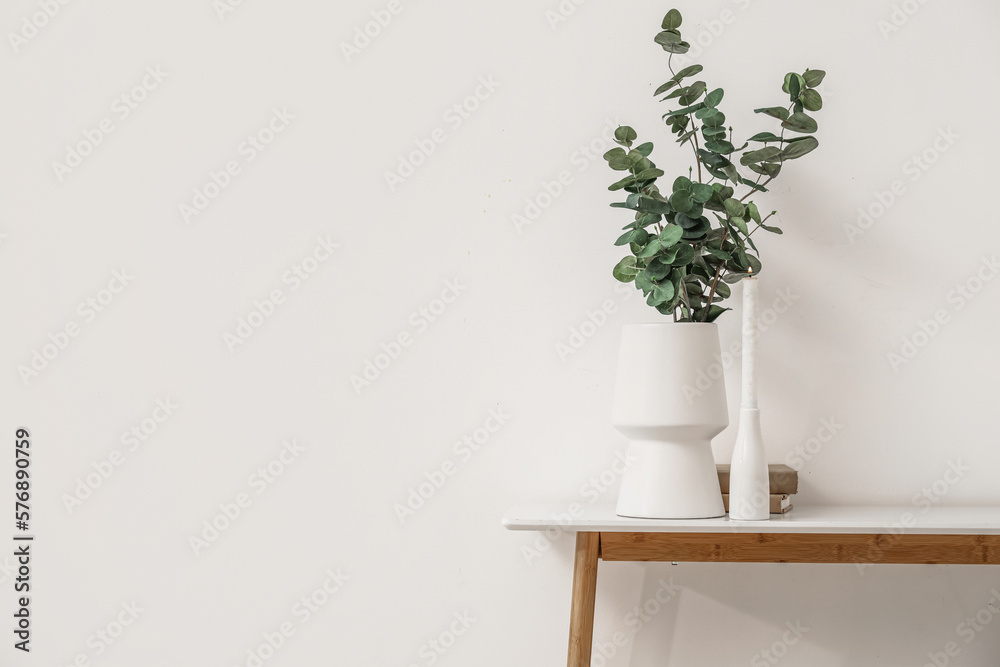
[749, 490]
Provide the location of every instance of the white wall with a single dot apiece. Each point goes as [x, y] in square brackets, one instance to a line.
[888, 97]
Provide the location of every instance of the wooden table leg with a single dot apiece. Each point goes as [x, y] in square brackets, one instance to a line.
[581, 619]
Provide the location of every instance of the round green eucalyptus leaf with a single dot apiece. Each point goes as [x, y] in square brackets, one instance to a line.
[643, 283]
[652, 205]
[800, 122]
[765, 154]
[620, 163]
[616, 152]
[665, 87]
[780, 113]
[685, 255]
[681, 201]
[766, 168]
[698, 232]
[811, 100]
[670, 235]
[701, 192]
[716, 119]
[650, 249]
[677, 93]
[765, 136]
[719, 146]
[813, 77]
[729, 169]
[640, 163]
[793, 84]
[799, 147]
[625, 270]
[661, 293]
[668, 37]
[649, 174]
[682, 183]
[667, 256]
[625, 135]
[628, 181]
[684, 221]
[692, 93]
[794, 87]
[690, 70]
[678, 48]
[734, 207]
[710, 158]
[672, 20]
[658, 269]
[639, 236]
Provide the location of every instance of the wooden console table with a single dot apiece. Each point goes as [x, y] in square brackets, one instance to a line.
[861, 535]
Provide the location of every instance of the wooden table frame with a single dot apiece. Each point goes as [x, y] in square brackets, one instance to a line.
[745, 547]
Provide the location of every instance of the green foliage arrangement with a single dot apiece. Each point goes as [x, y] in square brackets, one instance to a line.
[680, 259]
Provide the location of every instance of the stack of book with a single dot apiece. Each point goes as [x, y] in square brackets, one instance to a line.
[784, 482]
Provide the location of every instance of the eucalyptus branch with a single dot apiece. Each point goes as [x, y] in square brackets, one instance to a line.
[672, 256]
[690, 116]
[759, 176]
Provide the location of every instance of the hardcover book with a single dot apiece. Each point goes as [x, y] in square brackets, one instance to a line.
[783, 479]
[780, 502]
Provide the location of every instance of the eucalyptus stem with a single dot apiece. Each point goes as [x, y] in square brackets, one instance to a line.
[760, 224]
[685, 304]
[718, 272]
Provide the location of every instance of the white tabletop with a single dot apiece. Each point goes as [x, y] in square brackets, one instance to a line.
[573, 517]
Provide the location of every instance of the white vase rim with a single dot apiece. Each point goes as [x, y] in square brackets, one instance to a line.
[664, 324]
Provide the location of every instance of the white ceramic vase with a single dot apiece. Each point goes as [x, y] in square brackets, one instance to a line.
[670, 401]
[748, 477]
[749, 498]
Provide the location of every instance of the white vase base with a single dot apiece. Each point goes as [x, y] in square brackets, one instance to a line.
[749, 498]
[670, 480]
